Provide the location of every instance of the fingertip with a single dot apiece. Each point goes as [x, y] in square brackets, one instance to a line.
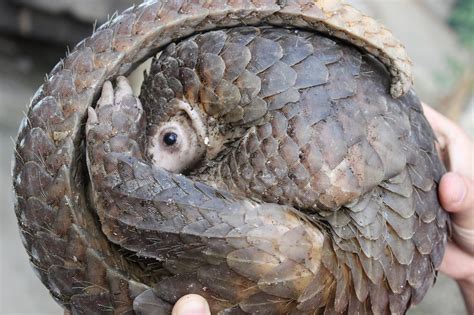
[427, 109]
[445, 263]
[456, 263]
[431, 114]
[191, 304]
[452, 192]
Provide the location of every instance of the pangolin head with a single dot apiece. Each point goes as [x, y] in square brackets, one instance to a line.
[194, 105]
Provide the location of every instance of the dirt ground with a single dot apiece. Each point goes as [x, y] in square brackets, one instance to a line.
[20, 75]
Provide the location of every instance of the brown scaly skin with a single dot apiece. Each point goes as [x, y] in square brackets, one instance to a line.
[88, 274]
[350, 157]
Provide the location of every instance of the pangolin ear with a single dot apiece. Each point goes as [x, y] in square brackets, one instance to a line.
[193, 113]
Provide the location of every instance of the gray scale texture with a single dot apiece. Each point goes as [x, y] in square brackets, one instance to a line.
[370, 232]
[369, 243]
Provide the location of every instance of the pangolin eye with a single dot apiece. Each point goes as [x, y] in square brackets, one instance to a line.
[170, 138]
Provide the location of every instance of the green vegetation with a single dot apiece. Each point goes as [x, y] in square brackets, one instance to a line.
[462, 20]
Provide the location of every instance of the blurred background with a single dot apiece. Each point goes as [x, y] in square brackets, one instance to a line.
[35, 34]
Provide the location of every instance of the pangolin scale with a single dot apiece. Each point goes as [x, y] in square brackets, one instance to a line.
[323, 200]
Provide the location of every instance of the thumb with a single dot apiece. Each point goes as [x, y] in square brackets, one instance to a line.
[456, 194]
[457, 264]
[191, 304]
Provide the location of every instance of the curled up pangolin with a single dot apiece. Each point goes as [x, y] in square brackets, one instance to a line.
[276, 162]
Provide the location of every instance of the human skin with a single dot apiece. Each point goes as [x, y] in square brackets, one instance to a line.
[456, 194]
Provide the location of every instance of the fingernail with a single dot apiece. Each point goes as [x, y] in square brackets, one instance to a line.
[193, 310]
[193, 305]
[458, 190]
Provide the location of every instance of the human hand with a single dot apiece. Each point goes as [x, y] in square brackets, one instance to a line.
[191, 304]
[456, 194]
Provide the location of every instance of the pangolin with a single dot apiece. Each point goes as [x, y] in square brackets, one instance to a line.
[276, 162]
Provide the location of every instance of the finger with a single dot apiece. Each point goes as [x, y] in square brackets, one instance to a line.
[457, 264]
[456, 146]
[191, 304]
[461, 155]
[440, 123]
[123, 89]
[456, 194]
[107, 96]
[464, 238]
